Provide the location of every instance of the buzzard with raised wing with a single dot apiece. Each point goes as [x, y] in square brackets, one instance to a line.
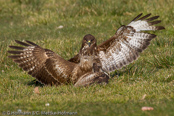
[93, 63]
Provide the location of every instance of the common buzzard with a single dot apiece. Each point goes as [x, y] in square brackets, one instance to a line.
[93, 63]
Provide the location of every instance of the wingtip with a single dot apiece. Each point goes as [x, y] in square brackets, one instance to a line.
[13, 56]
[137, 17]
[11, 46]
[31, 43]
[16, 47]
[149, 14]
[141, 18]
[155, 22]
[14, 52]
[8, 51]
[9, 56]
[152, 18]
[157, 16]
[141, 14]
[160, 27]
[152, 36]
[16, 41]
[144, 17]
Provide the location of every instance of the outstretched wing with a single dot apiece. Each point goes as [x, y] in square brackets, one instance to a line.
[125, 46]
[43, 64]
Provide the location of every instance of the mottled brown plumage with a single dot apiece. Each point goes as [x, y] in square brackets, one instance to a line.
[93, 63]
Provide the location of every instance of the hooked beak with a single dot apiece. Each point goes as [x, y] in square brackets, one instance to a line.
[89, 43]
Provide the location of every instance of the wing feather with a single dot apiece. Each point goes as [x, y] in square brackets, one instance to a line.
[125, 46]
[41, 63]
[144, 17]
[59, 67]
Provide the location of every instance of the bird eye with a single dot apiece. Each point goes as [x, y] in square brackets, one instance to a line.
[89, 41]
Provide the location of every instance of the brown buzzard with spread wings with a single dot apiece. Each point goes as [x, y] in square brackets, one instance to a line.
[92, 63]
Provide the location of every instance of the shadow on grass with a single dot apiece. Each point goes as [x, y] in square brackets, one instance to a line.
[35, 83]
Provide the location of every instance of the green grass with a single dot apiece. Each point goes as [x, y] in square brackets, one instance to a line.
[152, 75]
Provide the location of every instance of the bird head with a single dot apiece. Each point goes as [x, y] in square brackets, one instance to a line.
[89, 41]
[88, 44]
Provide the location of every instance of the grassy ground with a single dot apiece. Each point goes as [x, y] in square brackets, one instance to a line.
[149, 81]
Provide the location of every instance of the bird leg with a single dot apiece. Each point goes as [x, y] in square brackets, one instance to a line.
[90, 78]
[95, 67]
